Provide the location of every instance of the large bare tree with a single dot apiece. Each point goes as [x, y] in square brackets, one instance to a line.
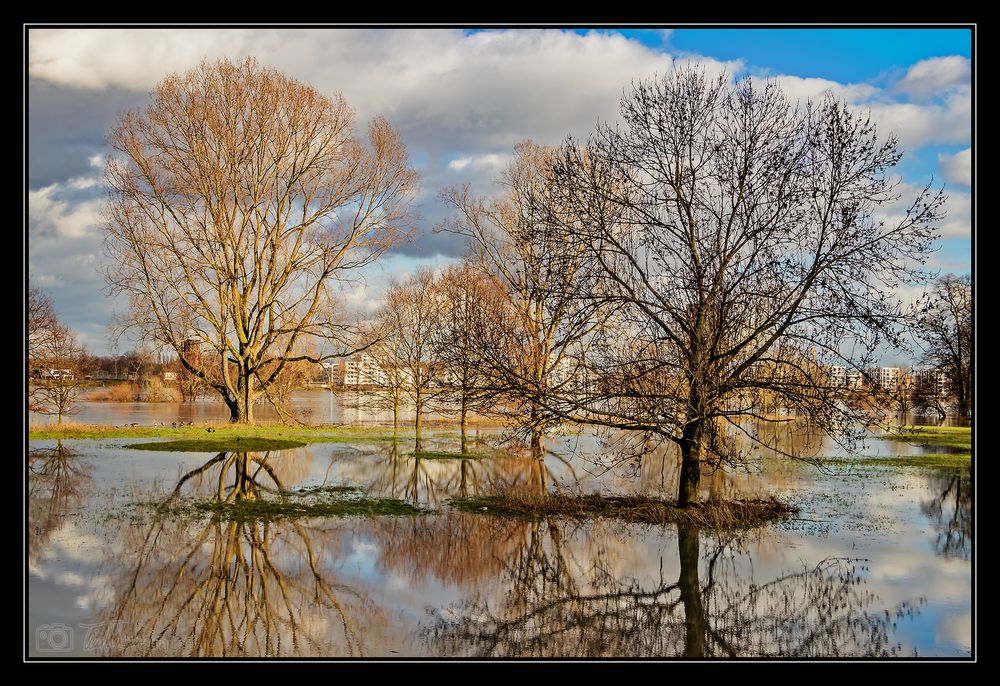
[944, 327]
[734, 239]
[238, 198]
[530, 342]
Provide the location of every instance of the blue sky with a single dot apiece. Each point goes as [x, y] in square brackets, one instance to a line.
[461, 99]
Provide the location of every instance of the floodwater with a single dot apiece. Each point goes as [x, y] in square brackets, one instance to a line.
[876, 563]
[308, 406]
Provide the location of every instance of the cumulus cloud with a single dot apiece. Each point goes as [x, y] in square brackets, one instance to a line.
[957, 169]
[802, 89]
[64, 255]
[54, 211]
[943, 121]
[957, 209]
[929, 78]
[460, 100]
[487, 161]
[947, 122]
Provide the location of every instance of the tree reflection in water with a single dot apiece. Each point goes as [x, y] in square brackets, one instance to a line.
[58, 481]
[429, 482]
[232, 588]
[950, 511]
[560, 606]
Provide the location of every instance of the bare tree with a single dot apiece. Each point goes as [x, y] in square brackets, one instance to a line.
[393, 391]
[529, 343]
[561, 601]
[61, 376]
[407, 324]
[223, 588]
[238, 199]
[944, 327]
[950, 511]
[466, 296]
[733, 238]
[41, 320]
[902, 392]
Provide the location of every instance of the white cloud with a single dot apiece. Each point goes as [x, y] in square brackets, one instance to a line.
[929, 78]
[957, 169]
[944, 123]
[957, 208]
[460, 101]
[491, 88]
[488, 161]
[50, 213]
[801, 89]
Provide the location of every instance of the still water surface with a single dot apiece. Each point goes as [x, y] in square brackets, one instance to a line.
[876, 563]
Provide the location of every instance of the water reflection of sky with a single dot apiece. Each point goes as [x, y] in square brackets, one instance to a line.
[452, 583]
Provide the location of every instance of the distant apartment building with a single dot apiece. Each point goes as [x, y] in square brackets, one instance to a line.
[841, 377]
[838, 376]
[884, 378]
[364, 370]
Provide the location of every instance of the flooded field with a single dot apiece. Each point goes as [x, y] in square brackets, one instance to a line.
[875, 563]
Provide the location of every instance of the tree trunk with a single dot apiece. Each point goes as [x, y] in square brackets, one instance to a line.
[462, 425]
[690, 478]
[688, 550]
[244, 487]
[964, 401]
[241, 406]
[420, 412]
[537, 444]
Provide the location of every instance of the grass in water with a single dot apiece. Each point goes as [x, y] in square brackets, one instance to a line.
[935, 461]
[268, 510]
[956, 436]
[733, 514]
[445, 455]
[302, 434]
[236, 444]
[320, 490]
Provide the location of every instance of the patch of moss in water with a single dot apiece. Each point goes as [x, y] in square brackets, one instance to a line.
[226, 444]
[733, 514]
[268, 510]
[445, 455]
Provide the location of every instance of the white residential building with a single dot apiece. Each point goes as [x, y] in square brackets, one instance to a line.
[838, 376]
[363, 370]
[885, 378]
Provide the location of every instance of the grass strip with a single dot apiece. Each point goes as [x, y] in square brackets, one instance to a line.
[730, 514]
